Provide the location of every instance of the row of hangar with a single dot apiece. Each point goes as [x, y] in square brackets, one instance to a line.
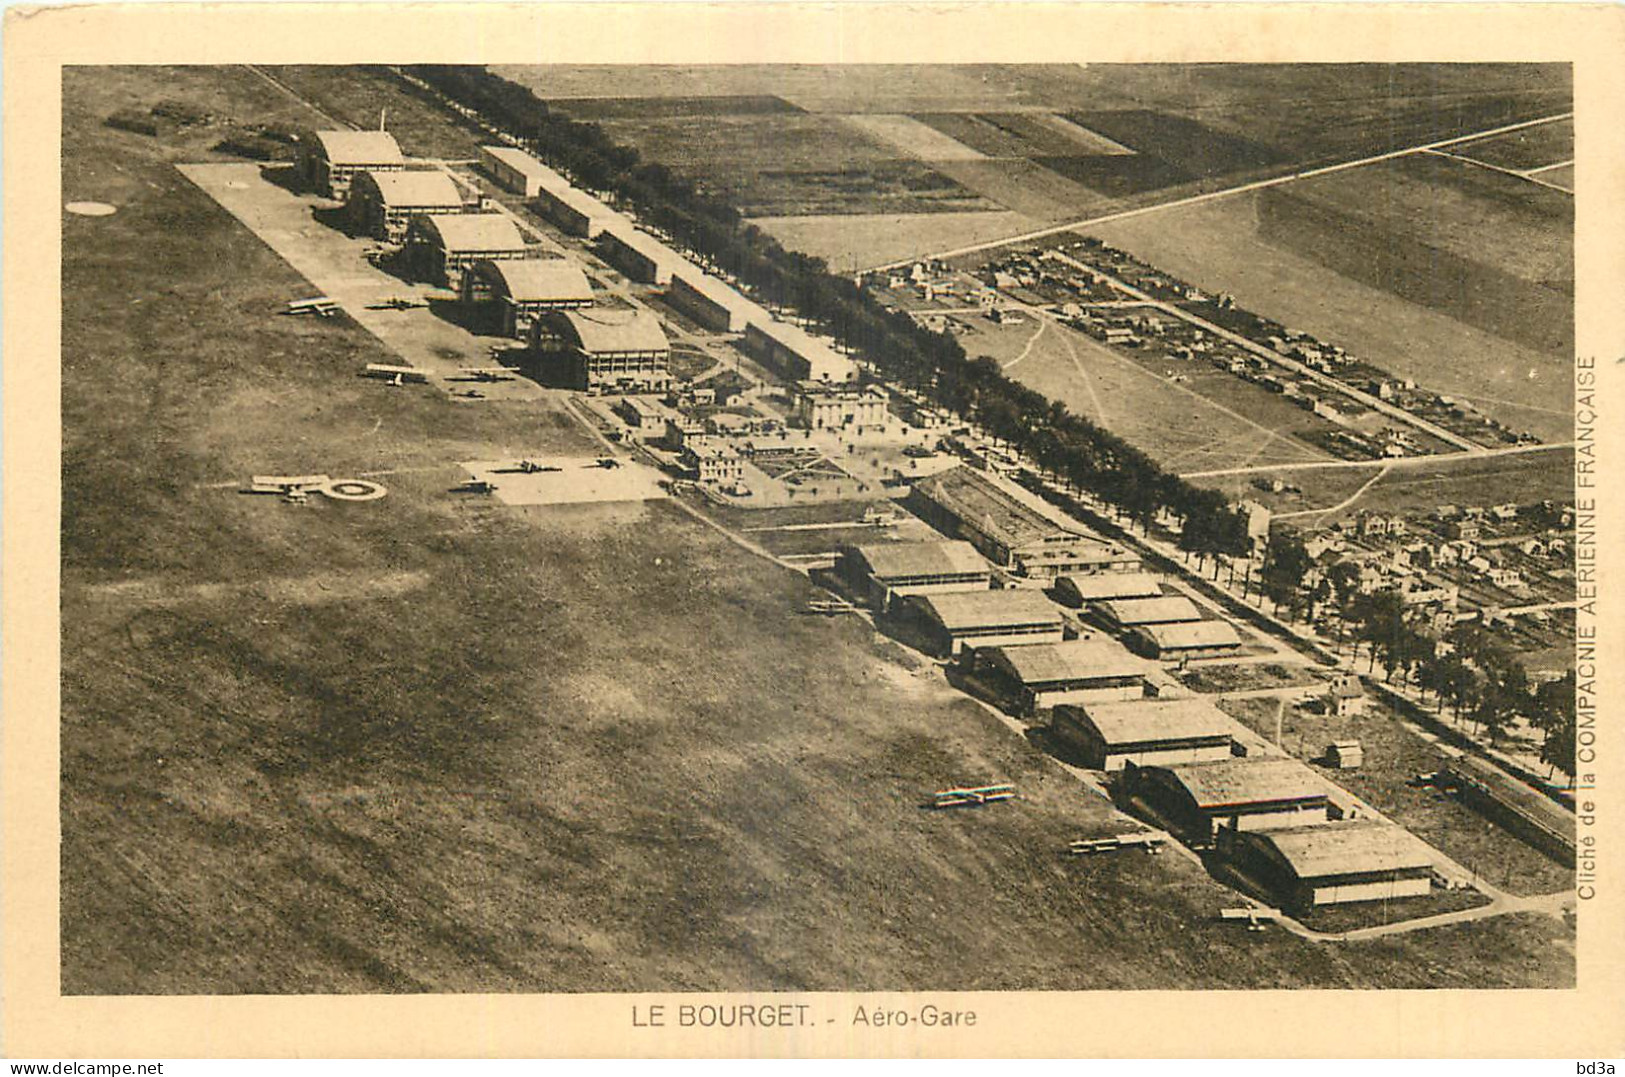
[513, 287]
[1178, 759]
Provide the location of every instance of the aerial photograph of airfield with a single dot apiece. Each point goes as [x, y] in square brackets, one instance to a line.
[828, 528]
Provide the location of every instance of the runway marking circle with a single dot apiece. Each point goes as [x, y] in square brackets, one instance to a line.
[354, 490]
[91, 209]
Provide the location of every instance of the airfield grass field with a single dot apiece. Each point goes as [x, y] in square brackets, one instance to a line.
[1213, 421]
[432, 743]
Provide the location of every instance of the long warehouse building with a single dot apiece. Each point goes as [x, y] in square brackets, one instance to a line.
[1041, 676]
[1112, 736]
[885, 572]
[1332, 863]
[951, 622]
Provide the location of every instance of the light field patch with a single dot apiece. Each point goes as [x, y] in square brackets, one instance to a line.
[578, 480]
[913, 137]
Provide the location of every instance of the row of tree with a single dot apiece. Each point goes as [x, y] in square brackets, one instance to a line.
[929, 362]
[1465, 668]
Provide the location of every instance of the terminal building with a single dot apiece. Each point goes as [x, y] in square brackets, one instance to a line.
[1041, 676]
[1195, 800]
[827, 407]
[329, 160]
[601, 349]
[956, 620]
[1304, 867]
[1185, 640]
[507, 296]
[1111, 736]
[382, 204]
[712, 461]
[885, 572]
[794, 354]
[442, 248]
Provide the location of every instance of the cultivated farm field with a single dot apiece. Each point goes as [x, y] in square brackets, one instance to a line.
[1048, 142]
[434, 744]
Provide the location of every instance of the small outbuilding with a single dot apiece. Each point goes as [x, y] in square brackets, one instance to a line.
[1111, 736]
[1345, 695]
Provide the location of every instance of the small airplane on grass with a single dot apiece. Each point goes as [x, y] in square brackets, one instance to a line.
[294, 489]
[476, 486]
[487, 373]
[608, 463]
[319, 305]
[1257, 919]
[527, 467]
[972, 797]
[1151, 843]
[833, 607]
[395, 375]
[397, 302]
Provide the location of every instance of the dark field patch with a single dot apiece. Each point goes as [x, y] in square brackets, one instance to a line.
[1532, 147]
[794, 164]
[1184, 142]
[651, 108]
[1118, 175]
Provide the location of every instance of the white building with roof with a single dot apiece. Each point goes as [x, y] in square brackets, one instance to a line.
[382, 204]
[1112, 735]
[795, 354]
[956, 620]
[1332, 863]
[513, 293]
[885, 572]
[602, 349]
[328, 160]
[443, 247]
[1040, 676]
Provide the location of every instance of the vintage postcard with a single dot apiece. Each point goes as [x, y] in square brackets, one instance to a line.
[841, 530]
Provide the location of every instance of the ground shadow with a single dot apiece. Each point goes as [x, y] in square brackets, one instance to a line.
[284, 175]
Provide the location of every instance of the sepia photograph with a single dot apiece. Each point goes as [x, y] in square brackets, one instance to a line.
[811, 545]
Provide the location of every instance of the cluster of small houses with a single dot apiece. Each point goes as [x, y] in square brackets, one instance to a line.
[979, 597]
[1129, 328]
[1391, 555]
